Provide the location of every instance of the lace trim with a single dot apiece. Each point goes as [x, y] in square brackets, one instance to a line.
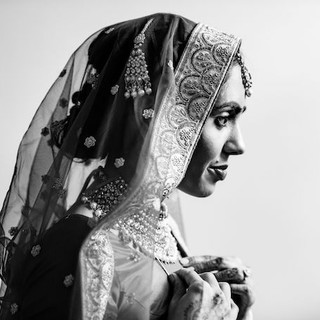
[97, 264]
[155, 241]
[198, 78]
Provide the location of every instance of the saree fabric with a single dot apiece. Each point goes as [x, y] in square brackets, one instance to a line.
[131, 103]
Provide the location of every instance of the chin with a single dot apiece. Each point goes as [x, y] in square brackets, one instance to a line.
[199, 190]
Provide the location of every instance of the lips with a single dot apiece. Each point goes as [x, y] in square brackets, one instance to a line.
[219, 171]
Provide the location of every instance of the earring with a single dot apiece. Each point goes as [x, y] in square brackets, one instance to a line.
[137, 80]
[245, 75]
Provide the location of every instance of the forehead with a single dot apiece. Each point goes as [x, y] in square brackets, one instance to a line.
[232, 89]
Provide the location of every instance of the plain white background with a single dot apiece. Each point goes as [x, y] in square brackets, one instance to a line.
[267, 210]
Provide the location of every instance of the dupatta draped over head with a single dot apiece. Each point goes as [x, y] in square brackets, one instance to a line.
[128, 108]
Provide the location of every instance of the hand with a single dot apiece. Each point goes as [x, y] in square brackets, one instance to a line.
[198, 297]
[232, 271]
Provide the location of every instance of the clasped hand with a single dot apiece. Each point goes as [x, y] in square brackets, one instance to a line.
[213, 288]
[199, 297]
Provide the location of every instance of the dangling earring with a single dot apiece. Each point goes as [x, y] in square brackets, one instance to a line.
[245, 75]
[137, 80]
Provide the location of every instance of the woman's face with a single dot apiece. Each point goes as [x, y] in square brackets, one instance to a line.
[221, 137]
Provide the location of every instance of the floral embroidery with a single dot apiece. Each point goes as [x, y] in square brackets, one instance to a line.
[176, 161]
[57, 183]
[131, 298]
[109, 30]
[25, 210]
[135, 257]
[45, 178]
[13, 231]
[45, 131]
[90, 142]
[13, 308]
[191, 86]
[114, 89]
[63, 102]
[185, 135]
[93, 79]
[61, 193]
[35, 250]
[119, 162]
[223, 52]
[62, 73]
[148, 113]
[44, 195]
[68, 280]
[50, 143]
[165, 192]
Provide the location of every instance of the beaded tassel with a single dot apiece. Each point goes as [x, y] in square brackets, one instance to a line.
[137, 80]
[245, 75]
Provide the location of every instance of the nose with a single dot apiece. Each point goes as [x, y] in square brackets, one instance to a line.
[235, 144]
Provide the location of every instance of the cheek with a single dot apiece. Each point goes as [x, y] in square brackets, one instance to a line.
[207, 151]
[204, 151]
[210, 145]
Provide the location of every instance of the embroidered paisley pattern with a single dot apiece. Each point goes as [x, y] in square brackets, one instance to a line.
[198, 77]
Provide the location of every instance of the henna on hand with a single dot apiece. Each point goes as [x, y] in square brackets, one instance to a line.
[232, 275]
[194, 311]
[207, 263]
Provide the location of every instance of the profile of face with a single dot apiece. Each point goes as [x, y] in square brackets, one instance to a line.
[221, 137]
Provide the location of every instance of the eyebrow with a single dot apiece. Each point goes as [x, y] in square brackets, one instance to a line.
[228, 105]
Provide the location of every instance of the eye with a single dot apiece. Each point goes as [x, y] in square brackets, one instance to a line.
[221, 121]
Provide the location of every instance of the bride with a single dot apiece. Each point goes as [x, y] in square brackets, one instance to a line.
[142, 108]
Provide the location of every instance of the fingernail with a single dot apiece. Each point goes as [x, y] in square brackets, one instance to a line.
[190, 268]
[184, 261]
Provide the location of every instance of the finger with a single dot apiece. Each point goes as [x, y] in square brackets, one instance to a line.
[189, 261]
[247, 272]
[245, 292]
[210, 278]
[178, 287]
[193, 260]
[225, 288]
[208, 263]
[188, 275]
[234, 311]
[202, 263]
[233, 275]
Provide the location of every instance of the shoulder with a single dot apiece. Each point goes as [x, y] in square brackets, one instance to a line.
[63, 241]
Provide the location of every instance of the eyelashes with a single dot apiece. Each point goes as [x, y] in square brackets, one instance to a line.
[221, 121]
[223, 118]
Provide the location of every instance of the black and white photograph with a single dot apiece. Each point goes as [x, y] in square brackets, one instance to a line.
[159, 160]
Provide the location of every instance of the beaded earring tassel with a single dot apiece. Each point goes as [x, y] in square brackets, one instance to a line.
[137, 80]
[245, 75]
